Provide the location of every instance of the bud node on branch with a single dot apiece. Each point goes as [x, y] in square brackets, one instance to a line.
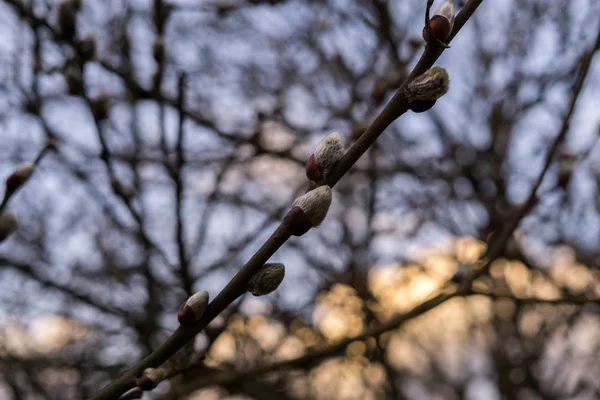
[423, 91]
[192, 309]
[267, 279]
[308, 210]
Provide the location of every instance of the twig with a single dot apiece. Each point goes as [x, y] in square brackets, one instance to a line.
[397, 106]
[499, 242]
[177, 177]
[9, 194]
[495, 250]
[565, 299]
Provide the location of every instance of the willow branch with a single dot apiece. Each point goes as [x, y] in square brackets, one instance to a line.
[495, 250]
[397, 106]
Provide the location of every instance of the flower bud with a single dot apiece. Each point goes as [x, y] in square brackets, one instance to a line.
[423, 91]
[20, 175]
[193, 308]
[267, 279]
[329, 151]
[8, 224]
[441, 23]
[150, 378]
[308, 210]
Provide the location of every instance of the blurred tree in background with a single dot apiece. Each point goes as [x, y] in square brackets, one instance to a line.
[171, 138]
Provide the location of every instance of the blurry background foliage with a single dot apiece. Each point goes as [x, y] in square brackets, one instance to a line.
[158, 187]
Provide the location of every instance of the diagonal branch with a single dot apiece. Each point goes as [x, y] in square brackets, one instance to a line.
[495, 250]
[397, 106]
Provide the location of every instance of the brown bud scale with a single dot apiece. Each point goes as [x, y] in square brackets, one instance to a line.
[420, 106]
[440, 27]
[296, 221]
[186, 316]
[192, 309]
[312, 169]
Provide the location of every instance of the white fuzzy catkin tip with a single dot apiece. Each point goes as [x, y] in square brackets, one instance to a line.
[8, 224]
[267, 279]
[329, 151]
[431, 85]
[447, 10]
[198, 303]
[193, 308]
[315, 204]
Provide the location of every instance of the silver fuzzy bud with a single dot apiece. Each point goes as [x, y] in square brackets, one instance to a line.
[329, 151]
[315, 204]
[193, 308]
[430, 86]
[267, 279]
[8, 224]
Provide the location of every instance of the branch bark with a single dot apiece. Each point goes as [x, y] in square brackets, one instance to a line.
[397, 106]
[495, 251]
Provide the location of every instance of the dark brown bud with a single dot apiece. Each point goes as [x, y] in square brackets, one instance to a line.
[312, 169]
[441, 23]
[296, 222]
[8, 225]
[20, 175]
[440, 27]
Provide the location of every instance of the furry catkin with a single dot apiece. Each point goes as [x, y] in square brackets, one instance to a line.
[315, 204]
[267, 279]
[329, 151]
[431, 85]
